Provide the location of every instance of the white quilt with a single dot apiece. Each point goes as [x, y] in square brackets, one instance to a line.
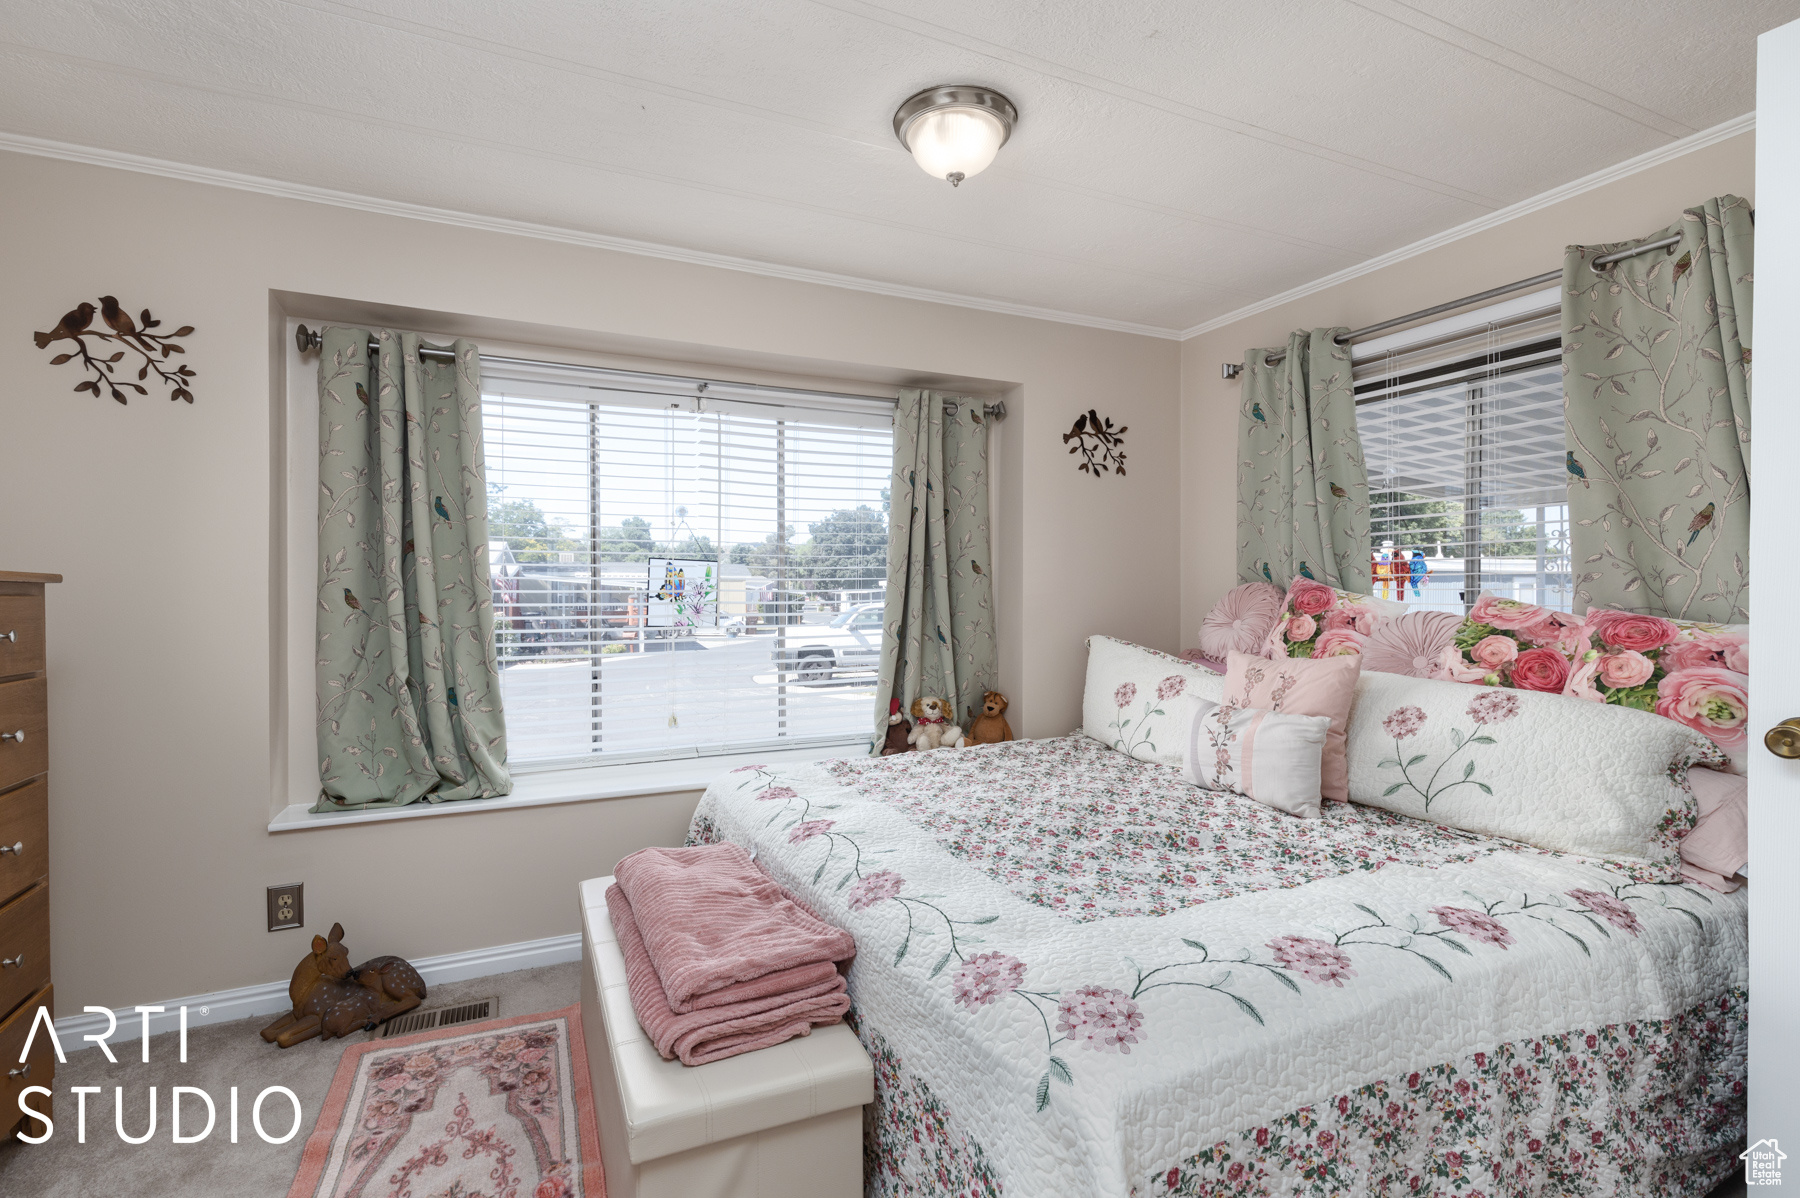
[1078, 974]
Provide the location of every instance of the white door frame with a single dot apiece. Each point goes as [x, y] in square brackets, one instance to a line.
[1775, 564]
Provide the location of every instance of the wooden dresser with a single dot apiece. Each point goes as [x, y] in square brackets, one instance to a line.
[24, 845]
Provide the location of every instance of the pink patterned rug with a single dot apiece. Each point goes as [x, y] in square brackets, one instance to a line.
[500, 1109]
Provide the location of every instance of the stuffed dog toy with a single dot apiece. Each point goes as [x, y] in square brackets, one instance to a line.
[990, 727]
[932, 728]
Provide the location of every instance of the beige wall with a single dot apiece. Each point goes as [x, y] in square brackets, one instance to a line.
[1526, 246]
[162, 667]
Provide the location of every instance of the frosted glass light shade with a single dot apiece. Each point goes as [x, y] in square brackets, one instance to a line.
[956, 142]
[954, 131]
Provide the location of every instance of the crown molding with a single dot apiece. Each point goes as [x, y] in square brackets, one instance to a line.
[119, 160]
[283, 189]
[1499, 216]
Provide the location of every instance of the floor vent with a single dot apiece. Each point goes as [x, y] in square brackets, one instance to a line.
[424, 1021]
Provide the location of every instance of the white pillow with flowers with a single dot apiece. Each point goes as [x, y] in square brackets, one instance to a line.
[1143, 702]
[1598, 780]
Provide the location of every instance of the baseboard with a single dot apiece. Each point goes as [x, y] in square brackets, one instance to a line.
[271, 998]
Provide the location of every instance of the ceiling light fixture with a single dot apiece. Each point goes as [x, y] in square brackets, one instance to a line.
[954, 132]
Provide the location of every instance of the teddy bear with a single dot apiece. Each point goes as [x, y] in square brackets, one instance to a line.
[990, 727]
[898, 733]
[932, 728]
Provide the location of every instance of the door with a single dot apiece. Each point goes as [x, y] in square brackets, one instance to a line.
[1775, 566]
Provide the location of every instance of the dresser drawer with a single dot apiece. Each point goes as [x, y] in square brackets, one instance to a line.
[25, 943]
[38, 1070]
[22, 709]
[21, 634]
[24, 837]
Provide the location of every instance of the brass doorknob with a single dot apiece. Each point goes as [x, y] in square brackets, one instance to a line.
[1784, 738]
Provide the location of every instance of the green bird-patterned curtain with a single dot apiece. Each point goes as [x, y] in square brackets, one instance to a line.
[408, 704]
[937, 634]
[1303, 488]
[1656, 388]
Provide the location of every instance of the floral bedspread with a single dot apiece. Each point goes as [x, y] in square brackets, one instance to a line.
[1077, 974]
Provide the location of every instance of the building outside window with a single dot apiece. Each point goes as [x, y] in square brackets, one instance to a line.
[683, 571]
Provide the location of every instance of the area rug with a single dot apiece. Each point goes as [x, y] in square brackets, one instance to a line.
[500, 1109]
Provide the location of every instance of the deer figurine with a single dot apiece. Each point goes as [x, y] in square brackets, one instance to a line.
[332, 999]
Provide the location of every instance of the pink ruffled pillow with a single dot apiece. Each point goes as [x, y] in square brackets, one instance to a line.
[1412, 644]
[1241, 621]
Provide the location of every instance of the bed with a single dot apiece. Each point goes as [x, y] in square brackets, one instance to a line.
[1079, 974]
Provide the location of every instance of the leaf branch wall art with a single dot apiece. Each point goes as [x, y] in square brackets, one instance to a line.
[77, 327]
[1100, 445]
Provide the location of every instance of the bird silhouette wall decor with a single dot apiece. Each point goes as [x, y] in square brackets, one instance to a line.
[135, 336]
[1100, 445]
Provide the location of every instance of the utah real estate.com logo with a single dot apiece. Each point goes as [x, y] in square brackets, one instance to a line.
[1762, 1163]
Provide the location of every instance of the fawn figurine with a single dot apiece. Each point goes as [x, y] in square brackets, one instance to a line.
[332, 999]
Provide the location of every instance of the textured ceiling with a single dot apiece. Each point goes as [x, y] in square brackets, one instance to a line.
[1174, 160]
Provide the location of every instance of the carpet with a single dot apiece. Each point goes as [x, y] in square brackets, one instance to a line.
[500, 1109]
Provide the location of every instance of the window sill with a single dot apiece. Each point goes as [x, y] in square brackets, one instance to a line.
[583, 785]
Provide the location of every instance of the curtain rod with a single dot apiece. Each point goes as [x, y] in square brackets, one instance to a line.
[1232, 370]
[312, 339]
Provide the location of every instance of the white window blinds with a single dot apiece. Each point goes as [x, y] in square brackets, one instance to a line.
[1463, 435]
[683, 571]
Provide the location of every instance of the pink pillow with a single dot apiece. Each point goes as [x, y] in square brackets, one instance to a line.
[1242, 620]
[1719, 845]
[1302, 686]
[1411, 644]
[1215, 664]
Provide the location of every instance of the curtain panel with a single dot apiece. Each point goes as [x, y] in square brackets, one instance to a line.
[938, 620]
[1303, 487]
[408, 694]
[1656, 385]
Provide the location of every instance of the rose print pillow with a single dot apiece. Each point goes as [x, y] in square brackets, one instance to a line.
[1142, 702]
[1322, 621]
[1598, 780]
[1695, 674]
[1259, 754]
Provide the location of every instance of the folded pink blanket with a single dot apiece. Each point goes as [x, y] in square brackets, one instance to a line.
[719, 930]
[719, 1031]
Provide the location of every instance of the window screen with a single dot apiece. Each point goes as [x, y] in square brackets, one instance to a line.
[1463, 436]
[679, 574]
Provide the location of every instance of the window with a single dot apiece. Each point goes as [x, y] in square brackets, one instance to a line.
[679, 569]
[1463, 436]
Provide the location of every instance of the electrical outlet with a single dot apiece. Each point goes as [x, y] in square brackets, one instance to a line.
[286, 909]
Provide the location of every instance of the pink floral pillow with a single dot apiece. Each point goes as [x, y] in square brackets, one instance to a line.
[1322, 621]
[1241, 621]
[1695, 674]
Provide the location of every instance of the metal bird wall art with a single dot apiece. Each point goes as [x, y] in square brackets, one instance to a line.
[136, 336]
[1101, 446]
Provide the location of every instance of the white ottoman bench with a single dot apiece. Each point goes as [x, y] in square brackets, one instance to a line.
[781, 1122]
